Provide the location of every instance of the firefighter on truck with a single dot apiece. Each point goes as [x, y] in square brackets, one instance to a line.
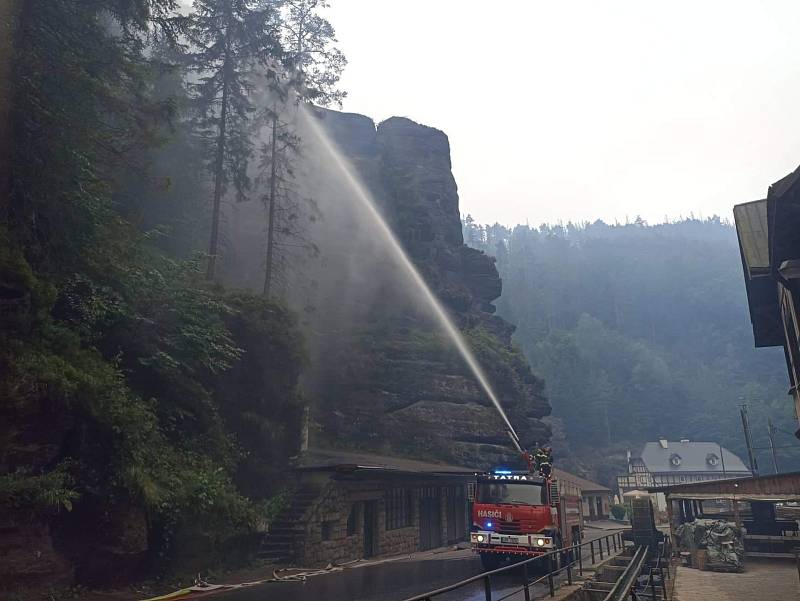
[520, 514]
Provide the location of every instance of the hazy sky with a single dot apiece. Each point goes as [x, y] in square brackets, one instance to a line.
[577, 110]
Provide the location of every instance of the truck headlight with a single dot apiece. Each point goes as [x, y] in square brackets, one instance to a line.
[479, 538]
[540, 542]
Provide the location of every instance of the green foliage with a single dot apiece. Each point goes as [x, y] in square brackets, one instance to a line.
[39, 493]
[272, 507]
[619, 511]
[128, 379]
[230, 40]
[316, 65]
[508, 370]
[78, 110]
[258, 396]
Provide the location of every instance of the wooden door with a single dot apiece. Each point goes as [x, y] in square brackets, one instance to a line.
[430, 518]
[370, 527]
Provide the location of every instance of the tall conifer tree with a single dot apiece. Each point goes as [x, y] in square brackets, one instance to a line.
[233, 41]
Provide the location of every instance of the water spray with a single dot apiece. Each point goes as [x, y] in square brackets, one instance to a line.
[446, 323]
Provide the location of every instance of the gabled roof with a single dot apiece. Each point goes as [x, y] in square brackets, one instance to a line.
[692, 457]
[582, 483]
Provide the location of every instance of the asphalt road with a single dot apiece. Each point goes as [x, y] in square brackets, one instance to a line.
[396, 580]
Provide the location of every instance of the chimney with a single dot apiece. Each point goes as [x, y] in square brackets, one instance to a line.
[663, 442]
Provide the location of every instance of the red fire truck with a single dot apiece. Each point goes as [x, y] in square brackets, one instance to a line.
[516, 515]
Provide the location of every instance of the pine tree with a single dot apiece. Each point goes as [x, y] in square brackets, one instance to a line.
[234, 41]
[313, 67]
[314, 62]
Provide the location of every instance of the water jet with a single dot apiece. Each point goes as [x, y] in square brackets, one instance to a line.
[368, 204]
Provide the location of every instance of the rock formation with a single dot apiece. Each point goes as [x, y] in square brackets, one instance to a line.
[398, 386]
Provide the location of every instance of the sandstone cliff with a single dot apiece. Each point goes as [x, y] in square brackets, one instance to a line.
[396, 385]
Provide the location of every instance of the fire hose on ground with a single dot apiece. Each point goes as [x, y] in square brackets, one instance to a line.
[204, 589]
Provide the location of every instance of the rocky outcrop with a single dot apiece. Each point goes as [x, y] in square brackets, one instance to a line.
[396, 386]
[29, 556]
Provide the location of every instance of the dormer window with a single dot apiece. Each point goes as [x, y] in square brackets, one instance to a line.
[712, 460]
[675, 460]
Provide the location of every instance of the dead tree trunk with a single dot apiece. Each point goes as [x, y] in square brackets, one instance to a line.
[7, 35]
[219, 165]
[271, 208]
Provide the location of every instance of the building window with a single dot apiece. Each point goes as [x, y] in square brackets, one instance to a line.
[398, 508]
[352, 519]
[712, 459]
[675, 460]
[327, 530]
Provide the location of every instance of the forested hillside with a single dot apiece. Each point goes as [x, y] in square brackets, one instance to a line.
[147, 411]
[640, 331]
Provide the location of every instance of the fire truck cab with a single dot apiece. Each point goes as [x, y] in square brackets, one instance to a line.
[516, 515]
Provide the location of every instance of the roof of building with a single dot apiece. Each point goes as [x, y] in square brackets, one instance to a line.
[751, 226]
[582, 483]
[335, 460]
[752, 230]
[690, 456]
[773, 488]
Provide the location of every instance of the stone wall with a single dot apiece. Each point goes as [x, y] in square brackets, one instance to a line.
[333, 507]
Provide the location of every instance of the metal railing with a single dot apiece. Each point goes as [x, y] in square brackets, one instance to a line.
[661, 569]
[627, 581]
[575, 554]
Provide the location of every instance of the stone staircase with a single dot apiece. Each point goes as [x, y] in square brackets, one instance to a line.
[279, 542]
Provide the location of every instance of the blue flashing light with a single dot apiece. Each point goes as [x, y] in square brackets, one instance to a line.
[488, 524]
[503, 472]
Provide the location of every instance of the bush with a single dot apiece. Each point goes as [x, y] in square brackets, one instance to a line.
[619, 512]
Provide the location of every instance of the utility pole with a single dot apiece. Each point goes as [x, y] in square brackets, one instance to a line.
[748, 439]
[771, 434]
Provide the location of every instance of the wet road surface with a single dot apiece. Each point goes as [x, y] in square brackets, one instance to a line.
[396, 580]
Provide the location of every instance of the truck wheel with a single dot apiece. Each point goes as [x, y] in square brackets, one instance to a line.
[490, 561]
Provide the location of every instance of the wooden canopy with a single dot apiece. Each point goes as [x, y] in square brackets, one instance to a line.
[776, 488]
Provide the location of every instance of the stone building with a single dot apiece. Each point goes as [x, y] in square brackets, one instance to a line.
[595, 498]
[351, 506]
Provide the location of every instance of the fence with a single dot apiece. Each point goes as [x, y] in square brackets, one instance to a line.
[661, 568]
[574, 556]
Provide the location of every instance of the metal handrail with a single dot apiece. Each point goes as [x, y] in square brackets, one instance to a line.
[662, 550]
[622, 587]
[486, 577]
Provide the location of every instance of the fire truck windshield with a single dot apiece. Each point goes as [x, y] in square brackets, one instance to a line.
[515, 493]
